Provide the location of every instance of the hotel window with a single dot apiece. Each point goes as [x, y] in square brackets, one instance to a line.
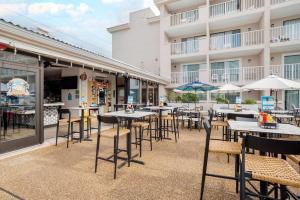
[191, 71]
[227, 39]
[227, 71]
[190, 45]
[292, 29]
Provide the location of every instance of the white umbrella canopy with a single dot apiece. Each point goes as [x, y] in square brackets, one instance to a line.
[227, 88]
[272, 82]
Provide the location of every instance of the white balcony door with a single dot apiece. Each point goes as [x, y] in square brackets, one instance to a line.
[227, 71]
[291, 29]
[190, 45]
[292, 67]
[190, 72]
[228, 39]
[292, 71]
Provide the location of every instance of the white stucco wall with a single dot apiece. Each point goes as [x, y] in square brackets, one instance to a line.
[139, 45]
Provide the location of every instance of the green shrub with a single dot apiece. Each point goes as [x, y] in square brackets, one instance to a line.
[189, 98]
[249, 101]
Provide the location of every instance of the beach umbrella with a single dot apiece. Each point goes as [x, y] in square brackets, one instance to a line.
[273, 82]
[227, 89]
[195, 87]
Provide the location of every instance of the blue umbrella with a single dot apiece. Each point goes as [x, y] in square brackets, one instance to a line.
[195, 87]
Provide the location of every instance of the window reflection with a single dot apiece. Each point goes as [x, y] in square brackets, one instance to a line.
[17, 104]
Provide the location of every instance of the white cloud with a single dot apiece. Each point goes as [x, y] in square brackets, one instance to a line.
[7, 9]
[56, 8]
[150, 3]
[111, 1]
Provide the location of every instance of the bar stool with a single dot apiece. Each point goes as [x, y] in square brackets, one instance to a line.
[90, 119]
[114, 133]
[224, 147]
[1, 120]
[173, 127]
[139, 138]
[69, 121]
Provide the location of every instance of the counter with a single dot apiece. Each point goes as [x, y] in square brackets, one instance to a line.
[51, 113]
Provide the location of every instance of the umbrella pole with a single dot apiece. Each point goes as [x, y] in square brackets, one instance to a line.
[276, 100]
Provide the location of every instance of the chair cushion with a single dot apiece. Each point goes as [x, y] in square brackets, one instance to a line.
[113, 132]
[271, 169]
[140, 124]
[217, 146]
[219, 123]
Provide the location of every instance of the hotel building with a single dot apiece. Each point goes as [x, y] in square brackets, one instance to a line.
[215, 41]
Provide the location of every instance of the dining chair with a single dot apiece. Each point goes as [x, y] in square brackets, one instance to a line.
[90, 119]
[273, 171]
[115, 133]
[69, 122]
[170, 123]
[221, 147]
[139, 127]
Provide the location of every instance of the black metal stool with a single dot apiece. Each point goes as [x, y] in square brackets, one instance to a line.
[114, 133]
[69, 121]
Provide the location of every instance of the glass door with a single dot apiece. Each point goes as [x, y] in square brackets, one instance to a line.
[291, 98]
[291, 29]
[19, 105]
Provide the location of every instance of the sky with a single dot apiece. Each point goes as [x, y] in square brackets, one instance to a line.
[82, 21]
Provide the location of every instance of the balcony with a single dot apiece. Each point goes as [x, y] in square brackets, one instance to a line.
[234, 7]
[184, 18]
[187, 23]
[241, 44]
[240, 75]
[284, 8]
[189, 50]
[285, 38]
[288, 71]
[251, 38]
[180, 78]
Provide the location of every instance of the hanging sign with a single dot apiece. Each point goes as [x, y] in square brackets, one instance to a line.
[17, 87]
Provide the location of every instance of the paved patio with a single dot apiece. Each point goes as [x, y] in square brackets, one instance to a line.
[172, 171]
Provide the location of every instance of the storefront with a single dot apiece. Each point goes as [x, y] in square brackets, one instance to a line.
[20, 92]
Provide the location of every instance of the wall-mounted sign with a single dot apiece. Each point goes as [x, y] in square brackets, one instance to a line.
[83, 76]
[17, 87]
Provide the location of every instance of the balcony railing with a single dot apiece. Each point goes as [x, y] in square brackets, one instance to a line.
[188, 47]
[285, 33]
[184, 77]
[274, 2]
[184, 17]
[234, 6]
[288, 71]
[236, 75]
[250, 38]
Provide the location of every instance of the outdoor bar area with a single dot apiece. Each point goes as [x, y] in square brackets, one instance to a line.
[78, 125]
[32, 84]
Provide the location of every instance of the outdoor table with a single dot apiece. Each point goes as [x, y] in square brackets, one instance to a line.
[281, 112]
[129, 117]
[231, 111]
[81, 126]
[282, 129]
[160, 109]
[282, 117]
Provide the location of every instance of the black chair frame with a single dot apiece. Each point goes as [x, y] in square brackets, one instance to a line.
[113, 158]
[207, 127]
[271, 146]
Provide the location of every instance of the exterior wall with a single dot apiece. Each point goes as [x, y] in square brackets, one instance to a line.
[139, 44]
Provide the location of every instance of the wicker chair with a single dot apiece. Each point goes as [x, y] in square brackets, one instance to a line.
[295, 159]
[216, 146]
[139, 128]
[272, 170]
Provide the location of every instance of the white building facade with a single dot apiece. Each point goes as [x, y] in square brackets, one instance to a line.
[215, 41]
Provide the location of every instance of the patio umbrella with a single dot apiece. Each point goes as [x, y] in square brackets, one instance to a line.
[195, 87]
[228, 88]
[273, 82]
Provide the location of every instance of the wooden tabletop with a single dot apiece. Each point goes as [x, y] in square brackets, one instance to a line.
[284, 129]
[135, 115]
[160, 108]
[231, 111]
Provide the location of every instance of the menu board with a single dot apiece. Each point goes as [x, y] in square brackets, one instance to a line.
[267, 103]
